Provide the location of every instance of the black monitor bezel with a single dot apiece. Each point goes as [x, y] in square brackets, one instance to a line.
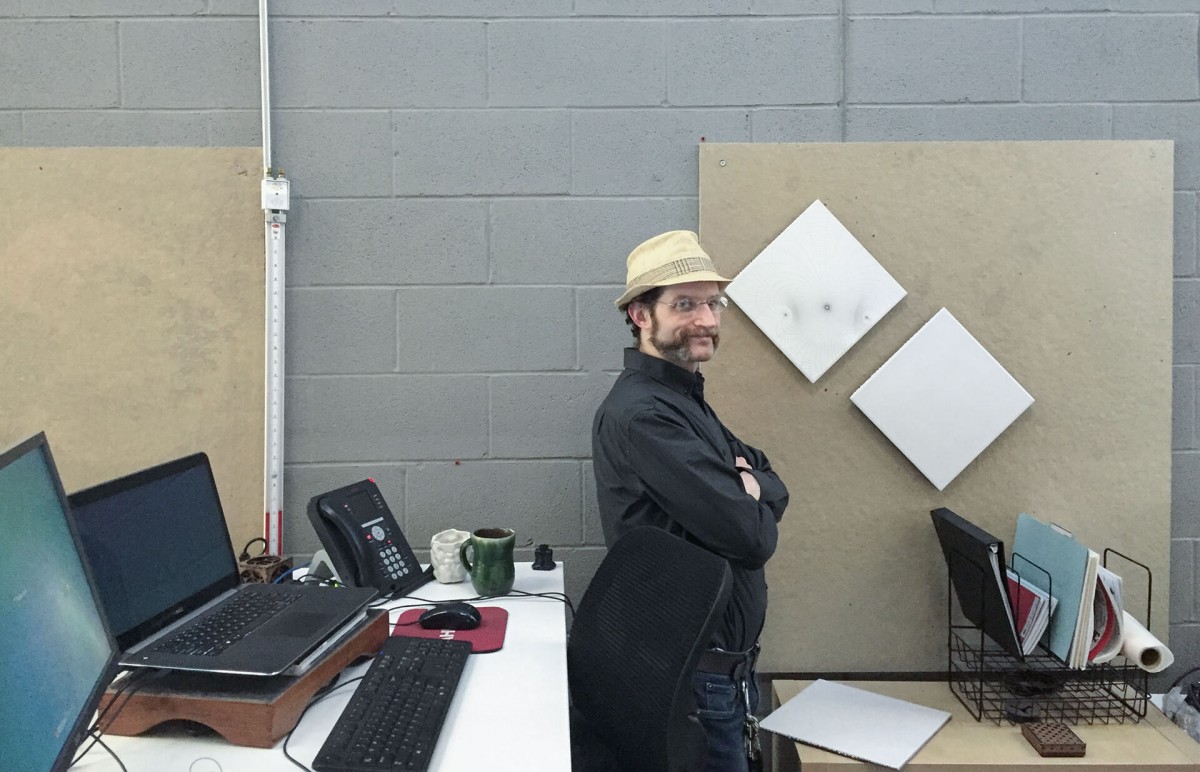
[79, 730]
[119, 485]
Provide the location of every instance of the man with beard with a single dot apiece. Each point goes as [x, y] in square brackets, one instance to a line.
[663, 458]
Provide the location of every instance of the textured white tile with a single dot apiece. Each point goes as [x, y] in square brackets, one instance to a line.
[942, 399]
[815, 291]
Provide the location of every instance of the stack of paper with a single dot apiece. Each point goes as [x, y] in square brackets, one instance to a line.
[1072, 569]
[1108, 612]
[1033, 608]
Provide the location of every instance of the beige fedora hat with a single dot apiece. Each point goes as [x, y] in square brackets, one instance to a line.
[674, 257]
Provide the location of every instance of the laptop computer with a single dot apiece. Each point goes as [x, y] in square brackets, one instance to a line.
[169, 583]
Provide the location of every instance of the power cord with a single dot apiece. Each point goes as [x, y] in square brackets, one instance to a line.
[134, 681]
[320, 695]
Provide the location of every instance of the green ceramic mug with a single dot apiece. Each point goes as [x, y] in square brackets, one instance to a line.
[492, 570]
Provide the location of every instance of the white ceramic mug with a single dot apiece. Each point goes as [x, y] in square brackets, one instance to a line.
[443, 555]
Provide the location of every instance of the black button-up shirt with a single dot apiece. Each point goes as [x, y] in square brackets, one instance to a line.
[663, 458]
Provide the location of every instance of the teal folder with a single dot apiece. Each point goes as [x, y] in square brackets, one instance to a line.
[1066, 560]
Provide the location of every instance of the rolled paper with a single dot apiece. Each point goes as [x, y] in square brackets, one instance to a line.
[1143, 649]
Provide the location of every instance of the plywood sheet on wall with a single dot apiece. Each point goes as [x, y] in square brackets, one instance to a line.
[132, 313]
[1056, 256]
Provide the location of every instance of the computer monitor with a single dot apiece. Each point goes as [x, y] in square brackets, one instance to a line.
[56, 651]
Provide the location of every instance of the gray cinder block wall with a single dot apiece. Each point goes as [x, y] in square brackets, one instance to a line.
[469, 174]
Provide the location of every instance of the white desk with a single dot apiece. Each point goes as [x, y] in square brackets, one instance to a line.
[510, 708]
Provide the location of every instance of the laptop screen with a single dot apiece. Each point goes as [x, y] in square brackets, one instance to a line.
[158, 544]
[58, 654]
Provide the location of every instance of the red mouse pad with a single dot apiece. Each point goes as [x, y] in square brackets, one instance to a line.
[489, 636]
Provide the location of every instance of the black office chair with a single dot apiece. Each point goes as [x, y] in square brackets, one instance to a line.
[640, 628]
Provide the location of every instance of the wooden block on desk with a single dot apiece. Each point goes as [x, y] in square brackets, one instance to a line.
[245, 710]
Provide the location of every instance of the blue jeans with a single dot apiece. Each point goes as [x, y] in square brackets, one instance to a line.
[722, 704]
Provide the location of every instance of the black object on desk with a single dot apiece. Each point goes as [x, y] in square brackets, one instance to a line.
[395, 716]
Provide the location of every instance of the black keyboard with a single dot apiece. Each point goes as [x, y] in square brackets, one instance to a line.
[227, 624]
[394, 718]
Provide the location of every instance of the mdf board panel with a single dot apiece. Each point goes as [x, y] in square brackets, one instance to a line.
[132, 313]
[1056, 257]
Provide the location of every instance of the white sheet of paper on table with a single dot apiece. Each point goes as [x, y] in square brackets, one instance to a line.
[942, 399]
[814, 291]
[857, 723]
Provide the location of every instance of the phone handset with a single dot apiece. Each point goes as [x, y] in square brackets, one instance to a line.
[363, 539]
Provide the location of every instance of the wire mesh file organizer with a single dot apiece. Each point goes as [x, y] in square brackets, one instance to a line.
[993, 684]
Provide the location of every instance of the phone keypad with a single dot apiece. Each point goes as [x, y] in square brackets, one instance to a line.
[391, 562]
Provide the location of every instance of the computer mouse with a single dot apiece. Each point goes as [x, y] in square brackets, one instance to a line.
[451, 616]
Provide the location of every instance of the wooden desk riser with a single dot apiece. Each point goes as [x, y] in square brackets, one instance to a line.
[965, 745]
[247, 711]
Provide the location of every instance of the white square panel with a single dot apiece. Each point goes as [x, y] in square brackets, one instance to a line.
[941, 399]
[815, 291]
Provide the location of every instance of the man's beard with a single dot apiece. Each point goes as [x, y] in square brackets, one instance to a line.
[678, 349]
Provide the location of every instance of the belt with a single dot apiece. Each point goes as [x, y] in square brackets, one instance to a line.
[735, 664]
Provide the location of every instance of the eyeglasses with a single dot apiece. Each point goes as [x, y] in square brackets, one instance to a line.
[692, 305]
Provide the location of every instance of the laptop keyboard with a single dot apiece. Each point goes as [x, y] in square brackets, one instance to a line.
[227, 624]
[395, 716]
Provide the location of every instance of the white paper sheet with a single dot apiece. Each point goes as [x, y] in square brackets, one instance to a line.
[856, 723]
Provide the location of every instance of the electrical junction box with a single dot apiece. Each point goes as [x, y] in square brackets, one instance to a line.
[275, 194]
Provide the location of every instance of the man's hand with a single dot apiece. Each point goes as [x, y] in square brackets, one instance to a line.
[742, 463]
[751, 484]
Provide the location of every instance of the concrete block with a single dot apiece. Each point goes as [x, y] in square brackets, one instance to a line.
[885, 7]
[340, 330]
[661, 7]
[1185, 494]
[1185, 233]
[577, 241]
[1180, 122]
[1187, 321]
[386, 418]
[1184, 641]
[387, 241]
[1183, 581]
[647, 152]
[796, 7]
[303, 481]
[482, 152]
[545, 416]
[283, 8]
[201, 63]
[1103, 58]
[576, 62]
[579, 565]
[484, 8]
[340, 153]
[1183, 407]
[236, 128]
[927, 59]
[537, 499]
[754, 62]
[978, 122]
[109, 8]
[482, 329]
[603, 334]
[593, 531]
[1063, 6]
[116, 128]
[58, 64]
[796, 124]
[378, 63]
[10, 128]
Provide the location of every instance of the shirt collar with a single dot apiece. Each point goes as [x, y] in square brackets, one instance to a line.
[675, 377]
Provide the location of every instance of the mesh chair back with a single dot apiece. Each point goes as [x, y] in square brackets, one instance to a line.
[647, 615]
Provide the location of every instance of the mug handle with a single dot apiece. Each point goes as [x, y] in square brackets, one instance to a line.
[462, 555]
